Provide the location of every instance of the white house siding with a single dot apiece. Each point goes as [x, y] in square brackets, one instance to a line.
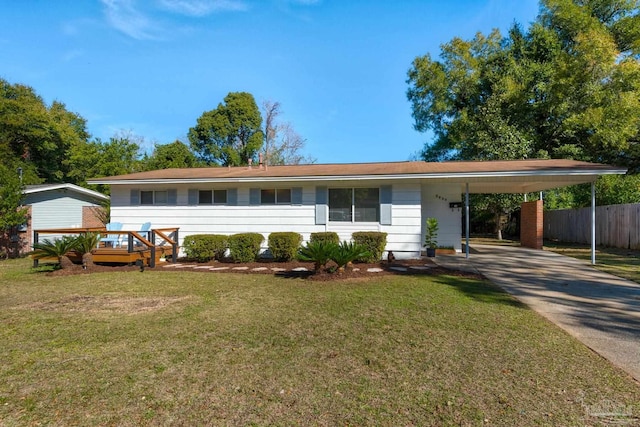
[403, 235]
[56, 209]
[435, 203]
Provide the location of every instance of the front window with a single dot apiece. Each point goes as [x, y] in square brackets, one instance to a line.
[220, 197]
[208, 197]
[366, 204]
[340, 204]
[275, 196]
[159, 197]
[146, 197]
[149, 197]
[205, 197]
[354, 204]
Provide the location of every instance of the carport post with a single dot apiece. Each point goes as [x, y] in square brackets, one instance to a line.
[593, 223]
[466, 220]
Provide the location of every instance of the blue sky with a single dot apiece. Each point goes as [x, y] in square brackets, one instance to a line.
[152, 67]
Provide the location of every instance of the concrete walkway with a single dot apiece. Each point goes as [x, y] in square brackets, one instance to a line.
[601, 310]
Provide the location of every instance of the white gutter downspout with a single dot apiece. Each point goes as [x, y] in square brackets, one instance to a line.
[593, 223]
[466, 220]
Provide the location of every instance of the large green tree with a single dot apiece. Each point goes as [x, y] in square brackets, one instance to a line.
[231, 134]
[36, 135]
[567, 87]
[118, 156]
[12, 214]
[174, 155]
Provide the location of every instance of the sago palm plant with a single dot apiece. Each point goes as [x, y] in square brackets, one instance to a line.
[318, 252]
[85, 243]
[57, 248]
[348, 252]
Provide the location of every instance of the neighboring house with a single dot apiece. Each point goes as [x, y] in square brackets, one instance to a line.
[395, 198]
[59, 206]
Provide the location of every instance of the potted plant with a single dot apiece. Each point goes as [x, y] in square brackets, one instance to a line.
[430, 237]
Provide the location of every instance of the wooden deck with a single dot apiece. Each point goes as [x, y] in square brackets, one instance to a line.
[135, 248]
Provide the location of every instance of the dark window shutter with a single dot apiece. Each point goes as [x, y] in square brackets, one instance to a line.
[193, 196]
[232, 196]
[296, 196]
[135, 197]
[172, 197]
[321, 205]
[386, 197]
[254, 196]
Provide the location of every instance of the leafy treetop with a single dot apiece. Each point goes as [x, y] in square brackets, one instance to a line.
[231, 134]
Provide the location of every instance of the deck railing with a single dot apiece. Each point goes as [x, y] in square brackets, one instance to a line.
[158, 238]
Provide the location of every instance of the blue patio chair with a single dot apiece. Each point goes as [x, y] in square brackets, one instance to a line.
[113, 240]
[144, 231]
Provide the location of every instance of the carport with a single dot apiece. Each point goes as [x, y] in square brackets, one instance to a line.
[527, 176]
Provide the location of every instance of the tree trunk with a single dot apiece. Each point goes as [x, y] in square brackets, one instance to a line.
[65, 263]
[87, 260]
[498, 227]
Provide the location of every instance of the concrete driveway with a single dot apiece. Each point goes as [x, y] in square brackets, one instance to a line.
[601, 310]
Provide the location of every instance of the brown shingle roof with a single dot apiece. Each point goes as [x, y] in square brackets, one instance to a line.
[424, 169]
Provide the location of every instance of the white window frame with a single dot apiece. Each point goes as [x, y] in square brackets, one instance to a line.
[276, 201]
[213, 197]
[154, 197]
[353, 205]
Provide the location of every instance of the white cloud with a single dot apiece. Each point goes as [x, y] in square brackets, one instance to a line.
[128, 16]
[77, 27]
[72, 54]
[202, 7]
[70, 29]
[123, 16]
[297, 8]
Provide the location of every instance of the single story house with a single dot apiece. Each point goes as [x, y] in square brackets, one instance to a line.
[58, 206]
[393, 197]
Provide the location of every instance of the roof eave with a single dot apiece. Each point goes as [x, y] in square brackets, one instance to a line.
[72, 187]
[309, 178]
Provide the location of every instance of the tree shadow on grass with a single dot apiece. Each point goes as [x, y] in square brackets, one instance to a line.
[480, 290]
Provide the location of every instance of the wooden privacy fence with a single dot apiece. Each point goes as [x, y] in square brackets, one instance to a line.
[616, 225]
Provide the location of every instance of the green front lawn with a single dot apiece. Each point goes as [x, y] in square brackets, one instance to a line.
[189, 348]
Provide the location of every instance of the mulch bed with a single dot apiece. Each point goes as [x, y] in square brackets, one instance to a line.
[266, 266]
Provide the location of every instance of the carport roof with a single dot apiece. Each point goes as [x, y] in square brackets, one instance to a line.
[505, 176]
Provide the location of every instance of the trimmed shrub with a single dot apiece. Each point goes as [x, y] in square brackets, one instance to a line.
[325, 236]
[284, 245]
[245, 247]
[373, 241]
[205, 247]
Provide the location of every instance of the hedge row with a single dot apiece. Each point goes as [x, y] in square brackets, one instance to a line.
[284, 246]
